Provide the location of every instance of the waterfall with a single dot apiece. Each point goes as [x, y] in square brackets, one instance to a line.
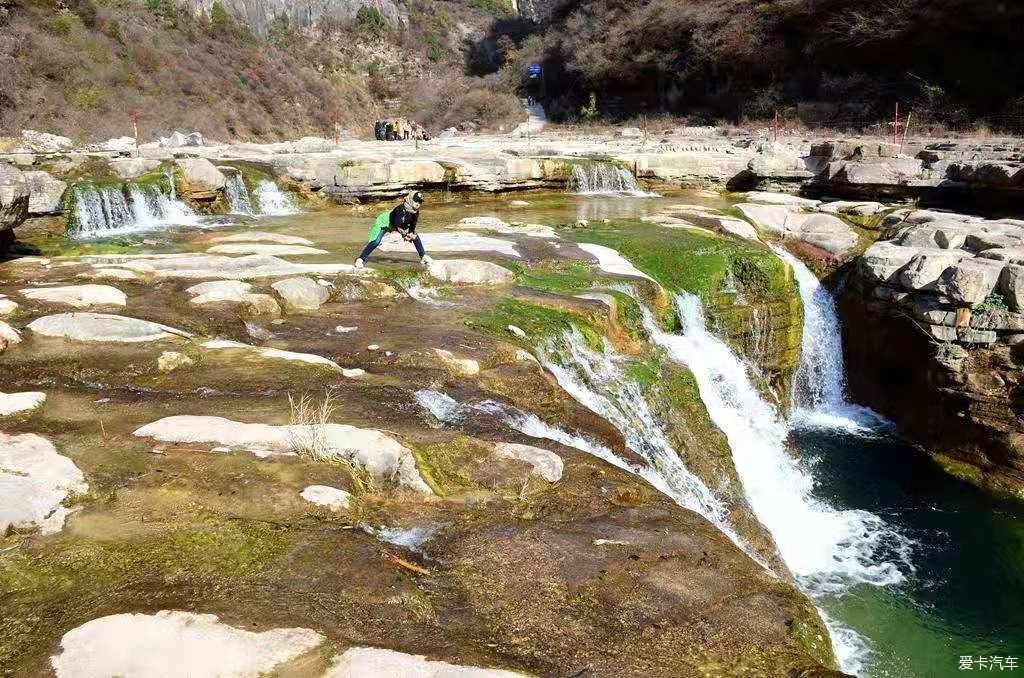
[273, 201]
[603, 178]
[595, 381]
[828, 550]
[819, 388]
[102, 211]
[237, 194]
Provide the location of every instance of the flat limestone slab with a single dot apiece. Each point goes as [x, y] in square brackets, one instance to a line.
[378, 454]
[34, 482]
[174, 643]
[102, 327]
[458, 241]
[272, 353]
[262, 248]
[13, 403]
[469, 272]
[375, 662]
[263, 236]
[79, 296]
[211, 266]
[545, 463]
[610, 261]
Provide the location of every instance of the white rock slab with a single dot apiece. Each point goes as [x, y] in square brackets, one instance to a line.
[173, 643]
[610, 261]
[469, 272]
[375, 662]
[271, 353]
[7, 307]
[545, 463]
[200, 266]
[34, 482]
[378, 454]
[79, 296]
[496, 225]
[263, 236]
[220, 289]
[263, 248]
[324, 495]
[458, 241]
[102, 327]
[13, 403]
[738, 228]
[782, 199]
[856, 208]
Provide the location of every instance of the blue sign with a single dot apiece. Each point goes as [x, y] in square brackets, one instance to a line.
[534, 70]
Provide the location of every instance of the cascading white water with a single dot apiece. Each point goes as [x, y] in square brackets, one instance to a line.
[602, 178]
[595, 381]
[103, 210]
[819, 385]
[237, 194]
[273, 202]
[828, 550]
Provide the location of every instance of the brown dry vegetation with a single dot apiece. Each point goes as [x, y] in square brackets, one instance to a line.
[80, 67]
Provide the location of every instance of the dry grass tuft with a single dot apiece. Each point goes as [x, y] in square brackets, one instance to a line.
[311, 417]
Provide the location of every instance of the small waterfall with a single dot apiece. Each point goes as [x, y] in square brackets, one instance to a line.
[237, 194]
[819, 388]
[828, 550]
[104, 210]
[273, 202]
[603, 178]
[595, 381]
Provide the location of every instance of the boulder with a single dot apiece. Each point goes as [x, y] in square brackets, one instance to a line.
[14, 197]
[7, 307]
[1011, 255]
[545, 463]
[130, 168]
[1011, 284]
[173, 360]
[45, 193]
[854, 208]
[102, 327]
[380, 455]
[467, 367]
[200, 179]
[42, 142]
[16, 403]
[329, 497]
[739, 228]
[376, 662]
[35, 483]
[883, 260]
[234, 292]
[769, 218]
[922, 272]
[302, 293]
[178, 140]
[147, 645]
[79, 296]
[470, 272]
[971, 280]
[8, 336]
[830, 233]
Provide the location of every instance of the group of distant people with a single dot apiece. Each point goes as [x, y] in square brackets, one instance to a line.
[399, 129]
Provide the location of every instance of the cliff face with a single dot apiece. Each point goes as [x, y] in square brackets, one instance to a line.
[933, 340]
[258, 14]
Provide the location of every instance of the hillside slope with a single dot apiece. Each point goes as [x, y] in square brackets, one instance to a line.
[79, 68]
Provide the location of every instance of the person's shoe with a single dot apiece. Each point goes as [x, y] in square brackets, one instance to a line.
[426, 260]
[359, 263]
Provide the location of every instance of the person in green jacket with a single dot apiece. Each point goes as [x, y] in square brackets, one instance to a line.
[403, 220]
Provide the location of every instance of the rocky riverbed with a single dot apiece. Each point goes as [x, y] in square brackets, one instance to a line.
[233, 437]
[215, 427]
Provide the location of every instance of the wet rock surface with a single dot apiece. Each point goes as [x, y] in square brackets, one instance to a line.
[275, 485]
